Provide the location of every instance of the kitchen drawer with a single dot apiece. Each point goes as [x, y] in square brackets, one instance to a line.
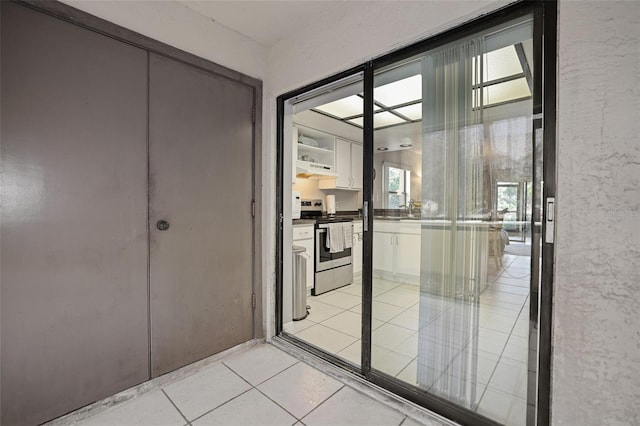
[302, 232]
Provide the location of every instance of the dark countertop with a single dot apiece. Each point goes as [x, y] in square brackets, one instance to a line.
[354, 215]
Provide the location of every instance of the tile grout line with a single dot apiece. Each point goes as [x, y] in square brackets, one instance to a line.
[175, 406]
[500, 357]
[220, 405]
[324, 400]
[266, 380]
[227, 401]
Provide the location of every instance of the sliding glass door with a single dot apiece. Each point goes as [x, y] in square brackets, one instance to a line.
[451, 290]
[446, 302]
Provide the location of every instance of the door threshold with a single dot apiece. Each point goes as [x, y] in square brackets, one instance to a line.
[412, 410]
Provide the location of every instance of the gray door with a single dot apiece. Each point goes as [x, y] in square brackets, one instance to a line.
[201, 174]
[74, 216]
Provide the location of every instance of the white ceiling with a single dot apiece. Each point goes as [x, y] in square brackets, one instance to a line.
[267, 22]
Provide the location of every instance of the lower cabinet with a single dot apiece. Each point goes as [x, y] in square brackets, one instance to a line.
[396, 251]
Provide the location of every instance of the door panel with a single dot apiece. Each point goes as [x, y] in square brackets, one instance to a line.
[466, 323]
[201, 182]
[74, 216]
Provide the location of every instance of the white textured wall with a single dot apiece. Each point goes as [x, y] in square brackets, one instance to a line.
[596, 358]
[175, 24]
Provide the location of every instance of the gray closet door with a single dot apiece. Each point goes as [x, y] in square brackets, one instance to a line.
[74, 216]
[201, 174]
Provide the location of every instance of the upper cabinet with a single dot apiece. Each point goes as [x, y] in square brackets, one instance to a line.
[348, 167]
[314, 152]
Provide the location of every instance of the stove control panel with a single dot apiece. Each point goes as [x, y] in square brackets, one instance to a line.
[311, 205]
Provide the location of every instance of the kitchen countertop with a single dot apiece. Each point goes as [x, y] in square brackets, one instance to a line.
[303, 222]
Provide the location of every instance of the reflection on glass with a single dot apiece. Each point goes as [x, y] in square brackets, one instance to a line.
[451, 289]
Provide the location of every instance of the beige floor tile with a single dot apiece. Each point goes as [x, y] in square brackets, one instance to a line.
[341, 300]
[510, 377]
[205, 390]
[459, 390]
[390, 336]
[387, 361]
[300, 389]
[249, 409]
[326, 338]
[319, 311]
[346, 322]
[151, 409]
[259, 363]
[502, 407]
[501, 323]
[408, 319]
[384, 312]
[352, 353]
[294, 327]
[399, 297]
[491, 341]
[349, 407]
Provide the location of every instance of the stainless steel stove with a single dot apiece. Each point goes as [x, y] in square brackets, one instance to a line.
[333, 269]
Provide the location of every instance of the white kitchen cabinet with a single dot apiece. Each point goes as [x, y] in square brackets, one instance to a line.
[357, 247]
[314, 152]
[348, 167]
[408, 254]
[303, 236]
[396, 251]
[356, 166]
[383, 251]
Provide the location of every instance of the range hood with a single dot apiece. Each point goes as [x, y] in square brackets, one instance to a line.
[309, 170]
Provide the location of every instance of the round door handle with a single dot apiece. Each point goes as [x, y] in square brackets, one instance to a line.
[162, 225]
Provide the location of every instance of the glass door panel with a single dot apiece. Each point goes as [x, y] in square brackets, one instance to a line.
[322, 226]
[451, 291]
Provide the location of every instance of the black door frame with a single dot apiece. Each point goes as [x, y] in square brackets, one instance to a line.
[544, 99]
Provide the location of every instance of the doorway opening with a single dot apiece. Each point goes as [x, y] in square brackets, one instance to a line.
[450, 307]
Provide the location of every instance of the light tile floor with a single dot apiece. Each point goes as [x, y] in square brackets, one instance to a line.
[261, 385]
[474, 354]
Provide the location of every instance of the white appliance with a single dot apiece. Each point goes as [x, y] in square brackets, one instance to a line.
[296, 205]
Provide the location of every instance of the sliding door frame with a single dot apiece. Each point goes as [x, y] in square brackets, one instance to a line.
[544, 99]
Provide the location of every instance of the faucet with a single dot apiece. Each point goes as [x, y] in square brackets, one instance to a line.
[409, 206]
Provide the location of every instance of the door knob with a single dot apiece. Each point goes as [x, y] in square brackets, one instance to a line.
[162, 225]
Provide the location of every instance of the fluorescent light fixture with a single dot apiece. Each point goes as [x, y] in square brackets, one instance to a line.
[357, 121]
[507, 91]
[399, 92]
[501, 63]
[413, 112]
[382, 119]
[345, 107]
